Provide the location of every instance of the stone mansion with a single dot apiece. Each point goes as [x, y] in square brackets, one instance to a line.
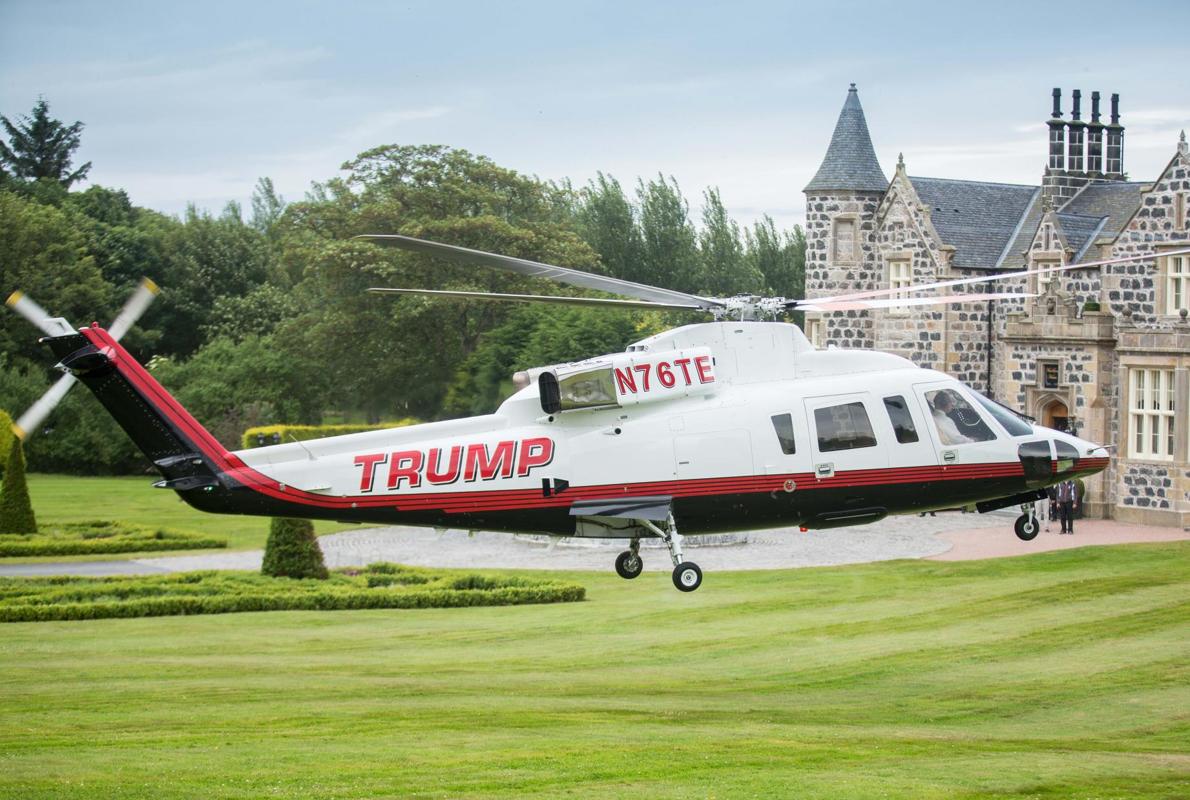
[1103, 351]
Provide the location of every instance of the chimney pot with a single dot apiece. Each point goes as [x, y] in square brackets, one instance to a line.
[1115, 109]
[1057, 113]
[1075, 112]
[1094, 106]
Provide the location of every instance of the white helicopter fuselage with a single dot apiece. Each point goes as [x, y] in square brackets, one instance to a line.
[763, 431]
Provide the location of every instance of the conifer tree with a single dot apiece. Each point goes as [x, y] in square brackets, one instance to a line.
[16, 511]
[40, 146]
[292, 550]
[6, 437]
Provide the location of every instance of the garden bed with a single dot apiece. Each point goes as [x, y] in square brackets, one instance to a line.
[102, 536]
[377, 586]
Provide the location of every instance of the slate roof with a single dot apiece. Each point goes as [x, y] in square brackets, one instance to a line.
[850, 161]
[1116, 201]
[980, 220]
[1016, 253]
[1079, 230]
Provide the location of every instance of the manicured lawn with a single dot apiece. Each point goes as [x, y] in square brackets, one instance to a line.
[1063, 674]
[67, 498]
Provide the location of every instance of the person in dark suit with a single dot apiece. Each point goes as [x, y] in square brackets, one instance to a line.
[1067, 500]
[1052, 496]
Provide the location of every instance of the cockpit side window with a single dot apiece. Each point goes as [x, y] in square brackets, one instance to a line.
[783, 425]
[901, 419]
[957, 422]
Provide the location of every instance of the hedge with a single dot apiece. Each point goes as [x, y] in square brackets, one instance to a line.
[102, 536]
[279, 434]
[78, 598]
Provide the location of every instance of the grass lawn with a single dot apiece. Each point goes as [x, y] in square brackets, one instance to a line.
[1063, 674]
[68, 498]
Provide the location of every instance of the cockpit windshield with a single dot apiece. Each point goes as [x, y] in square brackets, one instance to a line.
[1014, 423]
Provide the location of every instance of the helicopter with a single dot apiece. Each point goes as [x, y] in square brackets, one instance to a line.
[733, 424]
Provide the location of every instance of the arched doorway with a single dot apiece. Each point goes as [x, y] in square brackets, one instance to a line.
[1055, 415]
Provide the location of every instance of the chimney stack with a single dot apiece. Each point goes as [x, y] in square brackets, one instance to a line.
[1115, 142]
[1095, 139]
[1057, 134]
[1074, 159]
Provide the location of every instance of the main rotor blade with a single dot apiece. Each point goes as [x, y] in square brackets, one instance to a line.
[539, 298]
[132, 310]
[896, 302]
[535, 269]
[51, 326]
[31, 420]
[922, 287]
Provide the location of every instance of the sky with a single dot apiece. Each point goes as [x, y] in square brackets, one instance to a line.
[192, 103]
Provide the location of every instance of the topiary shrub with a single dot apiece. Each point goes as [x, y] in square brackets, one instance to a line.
[16, 511]
[6, 437]
[292, 550]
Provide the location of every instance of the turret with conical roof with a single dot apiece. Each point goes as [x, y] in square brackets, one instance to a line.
[850, 161]
[841, 204]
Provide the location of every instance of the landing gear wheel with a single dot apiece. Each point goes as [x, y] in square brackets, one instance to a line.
[629, 565]
[687, 576]
[1027, 527]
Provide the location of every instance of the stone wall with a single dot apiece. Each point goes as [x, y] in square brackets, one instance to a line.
[903, 233]
[827, 275]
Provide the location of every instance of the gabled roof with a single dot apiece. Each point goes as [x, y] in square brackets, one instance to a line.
[850, 161]
[1016, 253]
[1112, 199]
[980, 220]
[1080, 231]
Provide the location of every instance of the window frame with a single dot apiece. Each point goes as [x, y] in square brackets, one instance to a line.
[992, 428]
[908, 416]
[782, 438]
[1152, 425]
[871, 430]
[905, 280]
[1174, 283]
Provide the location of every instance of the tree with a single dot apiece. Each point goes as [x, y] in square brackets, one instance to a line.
[725, 270]
[780, 256]
[43, 252]
[267, 206]
[6, 436]
[670, 246]
[16, 510]
[292, 550]
[40, 147]
[607, 222]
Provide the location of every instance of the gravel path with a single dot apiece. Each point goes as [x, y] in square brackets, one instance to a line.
[895, 537]
[950, 536]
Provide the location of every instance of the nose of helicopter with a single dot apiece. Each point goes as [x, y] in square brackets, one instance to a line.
[1075, 457]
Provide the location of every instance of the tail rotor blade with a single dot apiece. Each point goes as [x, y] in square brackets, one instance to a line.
[31, 420]
[140, 300]
[51, 326]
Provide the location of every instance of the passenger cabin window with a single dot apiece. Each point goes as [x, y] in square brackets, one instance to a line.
[844, 427]
[783, 425]
[957, 422]
[1014, 423]
[901, 419]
